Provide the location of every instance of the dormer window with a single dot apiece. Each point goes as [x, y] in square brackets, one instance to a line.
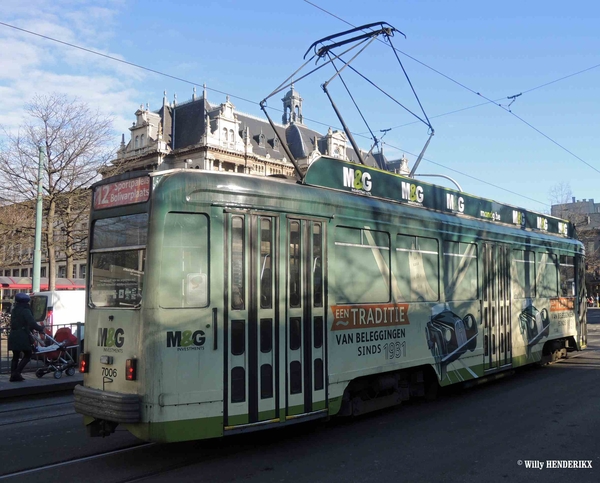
[142, 141]
[261, 140]
[137, 142]
[275, 144]
[231, 135]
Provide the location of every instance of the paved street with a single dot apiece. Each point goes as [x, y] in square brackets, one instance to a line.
[479, 434]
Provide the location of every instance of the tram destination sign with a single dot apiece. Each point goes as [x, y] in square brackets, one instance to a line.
[368, 181]
[126, 192]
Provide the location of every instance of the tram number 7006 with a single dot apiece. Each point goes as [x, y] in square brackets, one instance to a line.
[109, 372]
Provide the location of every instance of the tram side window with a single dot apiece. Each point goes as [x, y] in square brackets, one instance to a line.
[317, 264]
[266, 260]
[238, 263]
[460, 270]
[417, 271]
[295, 286]
[523, 274]
[567, 276]
[546, 279]
[184, 261]
[361, 266]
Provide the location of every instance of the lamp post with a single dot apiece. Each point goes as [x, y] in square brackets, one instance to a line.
[37, 248]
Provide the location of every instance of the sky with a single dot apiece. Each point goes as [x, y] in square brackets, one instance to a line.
[464, 59]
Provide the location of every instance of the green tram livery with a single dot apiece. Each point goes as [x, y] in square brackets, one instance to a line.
[221, 303]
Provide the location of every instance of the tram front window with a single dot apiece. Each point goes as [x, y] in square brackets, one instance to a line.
[118, 255]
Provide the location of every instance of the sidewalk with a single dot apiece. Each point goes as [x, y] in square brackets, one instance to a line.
[34, 385]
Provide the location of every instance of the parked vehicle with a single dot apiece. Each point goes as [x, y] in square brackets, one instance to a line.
[58, 308]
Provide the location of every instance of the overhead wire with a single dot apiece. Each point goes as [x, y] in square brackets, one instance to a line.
[132, 64]
[116, 59]
[148, 69]
[520, 195]
[483, 96]
[180, 79]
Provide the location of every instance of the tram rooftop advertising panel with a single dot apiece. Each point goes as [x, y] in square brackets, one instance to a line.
[367, 181]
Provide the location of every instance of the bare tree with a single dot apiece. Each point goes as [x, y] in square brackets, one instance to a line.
[16, 229]
[75, 141]
[560, 194]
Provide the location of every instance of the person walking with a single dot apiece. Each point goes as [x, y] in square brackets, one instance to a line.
[19, 339]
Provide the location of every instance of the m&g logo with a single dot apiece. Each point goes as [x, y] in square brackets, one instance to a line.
[357, 179]
[563, 228]
[412, 192]
[518, 218]
[111, 339]
[186, 340]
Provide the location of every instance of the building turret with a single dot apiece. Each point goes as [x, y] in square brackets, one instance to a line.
[292, 107]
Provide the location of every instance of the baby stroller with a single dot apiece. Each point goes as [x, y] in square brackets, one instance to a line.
[56, 352]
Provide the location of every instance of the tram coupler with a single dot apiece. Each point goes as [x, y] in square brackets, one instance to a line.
[100, 428]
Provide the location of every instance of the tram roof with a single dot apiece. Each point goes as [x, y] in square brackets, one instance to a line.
[366, 181]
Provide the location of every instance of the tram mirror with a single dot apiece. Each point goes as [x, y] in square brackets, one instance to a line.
[196, 293]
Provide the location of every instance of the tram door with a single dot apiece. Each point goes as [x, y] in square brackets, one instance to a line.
[497, 345]
[274, 332]
[305, 317]
[252, 372]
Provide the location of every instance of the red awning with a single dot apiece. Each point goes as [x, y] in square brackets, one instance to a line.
[25, 283]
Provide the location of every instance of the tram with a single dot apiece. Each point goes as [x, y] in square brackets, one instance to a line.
[222, 303]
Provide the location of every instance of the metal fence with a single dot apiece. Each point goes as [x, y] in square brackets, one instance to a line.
[77, 329]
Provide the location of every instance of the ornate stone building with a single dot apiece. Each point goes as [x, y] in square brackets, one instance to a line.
[200, 135]
[197, 134]
[585, 215]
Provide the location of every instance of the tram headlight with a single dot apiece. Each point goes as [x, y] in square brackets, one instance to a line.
[84, 362]
[131, 369]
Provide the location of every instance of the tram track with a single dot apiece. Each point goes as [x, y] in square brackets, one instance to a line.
[158, 461]
[36, 410]
[150, 461]
[43, 406]
[30, 420]
[83, 459]
[228, 448]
